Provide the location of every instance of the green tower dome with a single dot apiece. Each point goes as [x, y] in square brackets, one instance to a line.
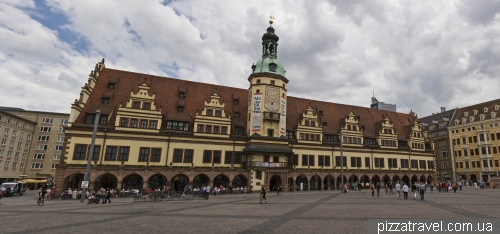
[269, 62]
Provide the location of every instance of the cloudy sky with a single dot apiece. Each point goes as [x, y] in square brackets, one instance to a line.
[420, 55]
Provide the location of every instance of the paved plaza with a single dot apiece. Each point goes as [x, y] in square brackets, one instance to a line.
[299, 212]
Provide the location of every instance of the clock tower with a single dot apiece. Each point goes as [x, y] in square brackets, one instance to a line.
[267, 92]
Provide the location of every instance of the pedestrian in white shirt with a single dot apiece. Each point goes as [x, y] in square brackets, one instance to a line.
[405, 191]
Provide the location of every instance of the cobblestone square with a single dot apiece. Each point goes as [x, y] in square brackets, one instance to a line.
[299, 212]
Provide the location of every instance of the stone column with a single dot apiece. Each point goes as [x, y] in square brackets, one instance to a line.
[119, 185]
[144, 184]
[308, 185]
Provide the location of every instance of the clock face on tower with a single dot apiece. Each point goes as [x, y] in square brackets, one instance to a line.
[272, 99]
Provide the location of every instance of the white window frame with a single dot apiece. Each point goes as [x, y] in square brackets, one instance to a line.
[14, 132]
[59, 147]
[37, 166]
[9, 153]
[1, 152]
[21, 136]
[64, 121]
[16, 156]
[22, 165]
[61, 130]
[4, 141]
[43, 138]
[45, 129]
[39, 156]
[14, 166]
[41, 147]
[7, 163]
[25, 155]
[47, 120]
[12, 142]
[53, 166]
[56, 157]
[6, 131]
[60, 139]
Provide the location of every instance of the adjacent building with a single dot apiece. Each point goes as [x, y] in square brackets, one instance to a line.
[475, 139]
[157, 131]
[436, 126]
[16, 134]
[382, 106]
[47, 145]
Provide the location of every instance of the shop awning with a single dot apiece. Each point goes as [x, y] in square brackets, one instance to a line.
[33, 181]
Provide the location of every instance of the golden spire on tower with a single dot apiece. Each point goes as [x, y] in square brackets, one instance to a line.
[271, 19]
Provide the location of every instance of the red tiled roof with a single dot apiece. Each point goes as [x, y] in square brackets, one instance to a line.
[167, 99]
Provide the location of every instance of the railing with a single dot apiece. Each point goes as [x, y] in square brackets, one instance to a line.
[272, 116]
[266, 164]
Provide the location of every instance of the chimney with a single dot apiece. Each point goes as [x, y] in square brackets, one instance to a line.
[443, 109]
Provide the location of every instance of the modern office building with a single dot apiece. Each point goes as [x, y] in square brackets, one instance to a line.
[475, 139]
[16, 134]
[157, 131]
[382, 105]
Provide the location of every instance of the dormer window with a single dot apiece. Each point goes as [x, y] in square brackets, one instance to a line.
[106, 101]
[466, 114]
[210, 113]
[182, 95]
[475, 112]
[313, 124]
[136, 105]
[272, 67]
[492, 115]
[146, 106]
[497, 107]
[218, 113]
[111, 85]
[306, 123]
[485, 109]
[481, 117]
[471, 119]
[456, 122]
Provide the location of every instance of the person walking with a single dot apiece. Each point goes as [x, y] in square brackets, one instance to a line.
[245, 192]
[108, 196]
[262, 194]
[414, 190]
[207, 194]
[422, 191]
[405, 191]
[390, 189]
[398, 189]
[378, 189]
[102, 192]
[373, 190]
[47, 195]
[280, 191]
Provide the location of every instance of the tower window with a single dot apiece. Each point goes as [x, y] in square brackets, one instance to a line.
[136, 105]
[272, 82]
[182, 95]
[180, 109]
[258, 81]
[270, 132]
[283, 85]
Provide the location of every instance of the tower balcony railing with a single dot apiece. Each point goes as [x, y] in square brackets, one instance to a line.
[272, 116]
[266, 164]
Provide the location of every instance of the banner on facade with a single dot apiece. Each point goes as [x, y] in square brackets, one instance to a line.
[267, 164]
[257, 107]
[283, 117]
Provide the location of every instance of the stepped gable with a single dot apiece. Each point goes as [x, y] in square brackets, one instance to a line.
[167, 96]
[334, 114]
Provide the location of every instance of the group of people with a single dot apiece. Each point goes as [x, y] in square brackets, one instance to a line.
[103, 194]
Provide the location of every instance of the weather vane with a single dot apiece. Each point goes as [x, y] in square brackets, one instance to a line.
[271, 19]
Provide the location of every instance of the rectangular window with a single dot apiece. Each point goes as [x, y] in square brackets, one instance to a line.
[111, 153]
[216, 129]
[223, 130]
[404, 163]
[89, 118]
[41, 147]
[36, 165]
[392, 162]
[177, 155]
[39, 156]
[295, 159]
[153, 124]
[422, 164]
[258, 175]
[124, 122]
[46, 120]
[210, 112]
[208, 129]
[60, 139]
[218, 113]
[180, 108]
[144, 123]
[338, 163]
[146, 105]
[367, 162]
[4, 141]
[207, 156]
[64, 121]
[217, 156]
[311, 160]
[155, 154]
[95, 155]
[228, 158]
[59, 147]
[144, 154]
[61, 130]
[414, 163]
[43, 138]
[267, 158]
[321, 160]
[80, 152]
[327, 161]
[53, 166]
[123, 155]
[105, 100]
[430, 164]
[238, 131]
[182, 95]
[56, 157]
[305, 159]
[45, 129]
[201, 128]
[103, 119]
[133, 123]
[136, 105]
[188, 156]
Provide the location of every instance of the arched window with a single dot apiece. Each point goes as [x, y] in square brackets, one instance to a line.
[481, 117]
[471, 119]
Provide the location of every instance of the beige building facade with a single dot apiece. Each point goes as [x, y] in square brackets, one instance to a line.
[47, 144]
[161, 132]
[16, 136]
[475, 141]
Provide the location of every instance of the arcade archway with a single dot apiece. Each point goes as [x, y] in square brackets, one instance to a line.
[133, 181]
[200, 180]
[179, 182]
[157, 181]
[221, 179]
[240, 181]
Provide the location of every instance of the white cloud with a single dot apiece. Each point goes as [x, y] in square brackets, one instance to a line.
[419, 55]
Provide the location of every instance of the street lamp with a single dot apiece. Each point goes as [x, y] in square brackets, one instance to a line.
[90, 156]
[341, 162]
